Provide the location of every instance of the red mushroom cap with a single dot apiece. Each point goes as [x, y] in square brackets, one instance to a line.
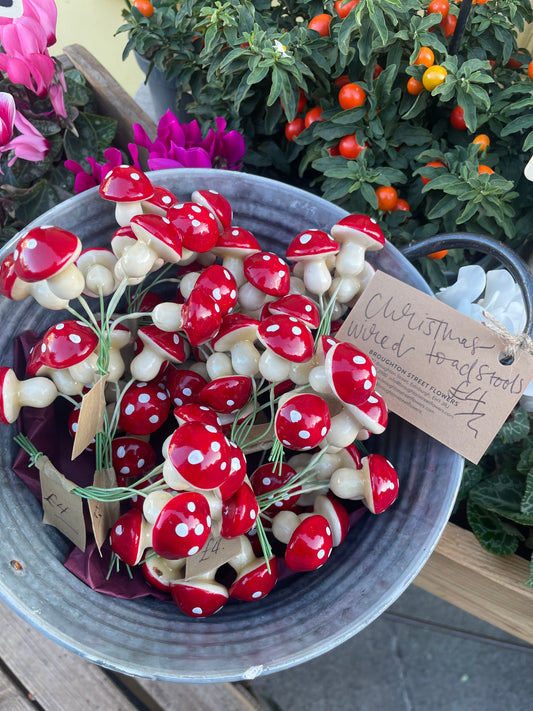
[193, 412]
[44, 252]
[198, 598]
[372, 413]
[200, 454]
[335, 514]
[217, 204]
[361, 229]
[351, 373]
[310, 545]
[237, 472]
[234, 327]
[236, 242]
[126, 537]
[297, 305]
[183, 526]
[144, 407]
[254, 582]
[66, 344]
[196, 224]
[227, 394]
[168, 344]
[311, 244]
[383, 482]
[239, 512]
[220, 284]
[268, 273]
[302, 421]
[10, 285]
[287, 337]
[131, 457]
[270, 477]
[201, 318]
[125, 183]
[160, 201]
[183, 385]
[157, 230]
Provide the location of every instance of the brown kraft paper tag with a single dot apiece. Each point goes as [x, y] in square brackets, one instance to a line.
[91, 417]
[104, 514]
[61, 508]
[436, 368]
[215, 552]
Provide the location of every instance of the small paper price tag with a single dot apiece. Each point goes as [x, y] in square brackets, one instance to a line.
[91, 417]
[215, 552]
[103, 514]
[61, 508]
[437, 368]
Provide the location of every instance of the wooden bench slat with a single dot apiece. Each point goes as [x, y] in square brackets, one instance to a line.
[12, 698]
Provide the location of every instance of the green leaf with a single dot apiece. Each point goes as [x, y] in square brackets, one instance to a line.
[521, 123]
[36, 201]
[493, 534]
[529, 581]
[444, 205]
[516, 429]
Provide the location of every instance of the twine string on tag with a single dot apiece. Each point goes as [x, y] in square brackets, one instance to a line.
[511, 343]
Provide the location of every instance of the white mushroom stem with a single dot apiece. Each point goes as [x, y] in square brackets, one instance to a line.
[245, 560]
[234, 265]
[318, 380]
[344, 429]
[63, 381]
[87, 370]
[297, 286]
[154, 503]
[115, 365]
[345, 288]
[100, 279]
[352, 484]
[68, 283]
[250, 298]
[299, 372]
[323, 507]
[147, 364]
[187, 283]
[273, 367]
[165, 570]
[34, 392]
[124, 211]
[219, 366]
[172, 477]
[167, 316]
[42, 294]
[350, 259]
[136, 261]
[316, 276]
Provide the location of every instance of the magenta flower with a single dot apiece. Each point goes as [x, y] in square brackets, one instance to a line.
[30, 144]
[180, 145]
[83, 180]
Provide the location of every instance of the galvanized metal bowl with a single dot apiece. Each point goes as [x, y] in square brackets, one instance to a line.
[305, 615]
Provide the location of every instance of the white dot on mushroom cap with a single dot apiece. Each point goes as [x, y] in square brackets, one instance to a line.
[253, 514]
[304, 239]
[233, 294]
[199, 529]
[178, 401]
[192, 551]
[215, 446]
[195, 223]
[286, 442]
[257, 594]
[266, 480]
[321, 553]
[230, 403]
[273, 328]
[197, 611]
[119, 530]
[31, 244]
[187, 392]
[296, 330]
[191, 506]
[162, 395]
[16, 254]
[373, 371]
[140, 463]
[223, 465]
[227, 274]
[166, 199]
[208, 520]
[141, 385]
[295, 416]
[203, 407]
[153, 419]
[135, 176]
[304, 434]
[196, 208]
[281, 273]
[125, 470]
[235, 233]
[43, 347]
[182, 530]
[195, 457]
[372, 400]
[217, 308]
[293, 319]
[74, 338]
[144, 397]
[210, 428]
[368, 385]
[176, 338]
[308, 307]
[279, 504]
[121, 451]
[166, 220]
[235, 463]
[216, 294]
[129, 409]
[74, 426]
[324, 431]
[359, 360]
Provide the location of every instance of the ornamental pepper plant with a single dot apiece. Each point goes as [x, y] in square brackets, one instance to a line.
[349, 98]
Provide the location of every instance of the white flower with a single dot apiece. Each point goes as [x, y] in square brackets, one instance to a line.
[280, 48]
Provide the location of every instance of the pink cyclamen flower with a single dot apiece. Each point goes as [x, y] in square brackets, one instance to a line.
[83, 180]
[30, 144]
[43, 11]
[25, 59]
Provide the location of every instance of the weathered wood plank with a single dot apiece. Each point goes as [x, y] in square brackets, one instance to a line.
[112, 99]
[12, 698]
[57, 679]
[488, 586]
[191, 697]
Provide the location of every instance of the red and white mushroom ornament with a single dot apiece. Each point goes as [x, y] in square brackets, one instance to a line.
[376, 483]
[127, 187]
[15, 393]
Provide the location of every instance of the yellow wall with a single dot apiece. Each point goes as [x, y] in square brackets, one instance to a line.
[93, 24]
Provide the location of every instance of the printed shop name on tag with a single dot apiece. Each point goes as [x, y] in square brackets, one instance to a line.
[437, 368]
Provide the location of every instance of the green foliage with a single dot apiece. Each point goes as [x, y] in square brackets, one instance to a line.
[30, 188]
[246, 60]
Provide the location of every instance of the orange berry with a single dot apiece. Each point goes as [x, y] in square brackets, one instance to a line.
[387, 198]
[312, 116]
[425, 56]
[438, 255]
[414, 87]
[320, 23]
[349, 148]
[442, 6]
[351, 95]
[530, 70]
[343, 8]
[433, 164]
[482, 141]
[484, 169]
[403, 205]
[145, 7]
